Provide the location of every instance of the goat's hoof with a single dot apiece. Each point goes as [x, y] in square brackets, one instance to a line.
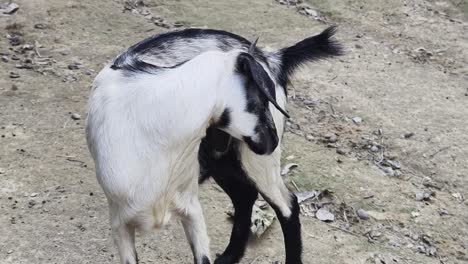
[225, 259]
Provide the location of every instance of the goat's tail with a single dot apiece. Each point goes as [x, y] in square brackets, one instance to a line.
[314, 48]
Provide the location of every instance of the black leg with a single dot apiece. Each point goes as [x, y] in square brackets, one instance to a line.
[243, 196]
[220, 159]
[291, 227]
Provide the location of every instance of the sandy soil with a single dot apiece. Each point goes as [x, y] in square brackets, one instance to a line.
[405, 75]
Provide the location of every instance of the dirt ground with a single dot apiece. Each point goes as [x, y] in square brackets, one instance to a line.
[384, 128]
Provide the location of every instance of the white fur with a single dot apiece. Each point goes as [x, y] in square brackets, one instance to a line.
[264, 170]
[144, 131]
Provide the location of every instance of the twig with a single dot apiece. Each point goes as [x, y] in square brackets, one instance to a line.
[253, 261]
[438, 151]
[36, 46]
[295, 186]
[344, 230]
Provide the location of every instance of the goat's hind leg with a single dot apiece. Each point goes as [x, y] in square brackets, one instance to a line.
[195, 230]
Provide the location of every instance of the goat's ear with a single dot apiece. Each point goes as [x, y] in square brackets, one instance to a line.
[253, 70]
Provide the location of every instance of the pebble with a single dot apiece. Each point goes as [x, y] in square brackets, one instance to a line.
[331, 137]
[73, 66]
[14, 75]
[357, 120]
[374, 148]
[397, 173]
[424, 196]
[443, 211]
[362, 214]
[40, 26]
[324, 215]
[76, 116]
[341, 151]
[393, 244]
[389, 171]
[394, 164]
[408, 135]
[70, 78]
[419, 196]
[415, 214]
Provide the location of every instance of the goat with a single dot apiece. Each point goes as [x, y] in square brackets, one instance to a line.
[145, 125]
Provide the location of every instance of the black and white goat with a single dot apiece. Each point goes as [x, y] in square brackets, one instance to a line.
[195, 92]
[144, 128]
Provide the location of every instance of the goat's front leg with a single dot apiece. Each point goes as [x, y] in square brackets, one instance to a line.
[124, 238]
[243, 195]
[195, 230]
[287, 210]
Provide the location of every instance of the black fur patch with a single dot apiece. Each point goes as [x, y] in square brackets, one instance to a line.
[218, 140]
[205, 260]
[225, 119]
[310, 49]
[161, 43]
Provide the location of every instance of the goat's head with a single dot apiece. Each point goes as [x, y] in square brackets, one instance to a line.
[249, 118]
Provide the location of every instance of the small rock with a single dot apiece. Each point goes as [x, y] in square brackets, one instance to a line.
[31, 204]
[394, 244]
[421, 249]
[415, 214]
[443, 211]
[394, 164]
[33, 194]
[40, 26]
[9, 8]
[357, 120]
[362, 214]
[70, 78]
[374, 148]
[419, 196]
[73, 66]
[76, 116]
[27, 47]
[397, 173]
[374, 234]
[341, 151]
[14, 75]
[408, 135]
[324, 215]
[457, 196]
[10, 251]
[310, 138]
[331, 137]
[389, 171]
[2, 171]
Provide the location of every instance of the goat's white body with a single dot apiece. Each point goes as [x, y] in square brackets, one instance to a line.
[144, 132]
